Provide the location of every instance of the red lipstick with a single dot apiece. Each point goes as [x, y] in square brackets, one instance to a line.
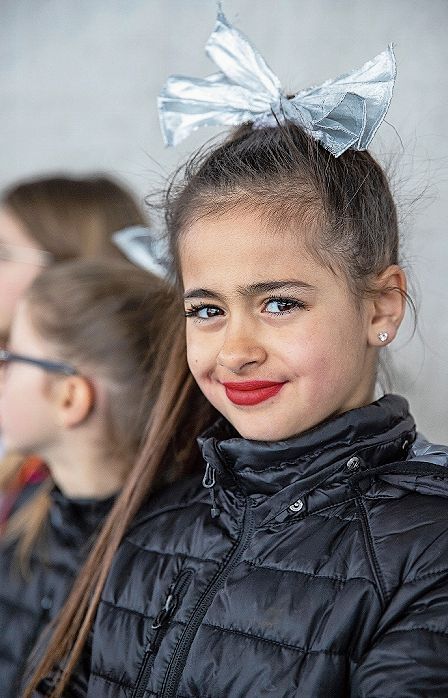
[251, 392]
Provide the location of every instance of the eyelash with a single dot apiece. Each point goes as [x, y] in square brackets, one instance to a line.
[193, 310]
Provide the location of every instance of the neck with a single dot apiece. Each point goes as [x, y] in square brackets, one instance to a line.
[85, 471]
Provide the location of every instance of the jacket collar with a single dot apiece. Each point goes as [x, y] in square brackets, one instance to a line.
[75, 520]
[377, 433]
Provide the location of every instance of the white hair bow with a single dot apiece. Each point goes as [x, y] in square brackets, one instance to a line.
[341, 113]
[143, 248]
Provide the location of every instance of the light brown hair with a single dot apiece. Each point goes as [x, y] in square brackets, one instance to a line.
[71, 218]
[106, 319]
[74, 217]
[291, 178]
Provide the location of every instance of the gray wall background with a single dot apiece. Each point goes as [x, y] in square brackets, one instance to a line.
[79, 79]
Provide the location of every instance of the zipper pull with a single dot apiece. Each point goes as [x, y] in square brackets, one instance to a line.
[175, 593]
[164, 614]
[209, 481]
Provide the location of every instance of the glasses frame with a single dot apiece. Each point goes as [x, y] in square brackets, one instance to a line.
[7, 356]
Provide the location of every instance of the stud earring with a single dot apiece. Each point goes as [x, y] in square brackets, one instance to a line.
[383, 336]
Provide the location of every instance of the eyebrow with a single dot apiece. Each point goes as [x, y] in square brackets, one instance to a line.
[252, 289]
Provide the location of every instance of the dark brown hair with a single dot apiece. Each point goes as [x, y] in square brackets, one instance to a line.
[349, 213]
[73, 217]
[342, 207]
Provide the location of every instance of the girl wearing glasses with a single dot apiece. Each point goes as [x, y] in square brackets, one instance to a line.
[76, 383]
[45, 221]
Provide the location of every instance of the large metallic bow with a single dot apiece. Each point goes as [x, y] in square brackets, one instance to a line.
[341, 113]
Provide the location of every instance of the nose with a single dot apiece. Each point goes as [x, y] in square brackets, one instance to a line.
[241, 347]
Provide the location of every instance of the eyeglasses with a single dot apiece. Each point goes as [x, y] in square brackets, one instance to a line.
[52, 366]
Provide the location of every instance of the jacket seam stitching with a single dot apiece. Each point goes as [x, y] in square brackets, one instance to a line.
[333, 506]
[166, 553]
[370, 550]
[334, 516]
[125, 610]
[277, 643]
[343, 580]
[312, 513]
[109, 679]
[199, 501]
[417, 629]
[428, 575]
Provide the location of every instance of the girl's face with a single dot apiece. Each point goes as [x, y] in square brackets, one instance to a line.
[28, 417]
[275, 340]
[21, 260]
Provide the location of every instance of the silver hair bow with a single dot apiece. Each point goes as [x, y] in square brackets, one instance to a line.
[143, 248]
[341, 113]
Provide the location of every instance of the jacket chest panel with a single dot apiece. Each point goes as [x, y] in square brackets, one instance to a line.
[164, 593]
[26, 606]
[299, 610]
[325, 545]
[258, 669]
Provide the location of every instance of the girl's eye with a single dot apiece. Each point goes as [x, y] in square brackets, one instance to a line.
[203, 312]
[280, 306]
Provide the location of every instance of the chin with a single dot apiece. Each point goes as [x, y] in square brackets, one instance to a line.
[262, 433]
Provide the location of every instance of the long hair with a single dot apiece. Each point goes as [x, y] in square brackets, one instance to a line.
[291, 178]
[107, 319]
[180, 413]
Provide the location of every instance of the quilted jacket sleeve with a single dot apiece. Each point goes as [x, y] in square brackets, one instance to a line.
[408, 657]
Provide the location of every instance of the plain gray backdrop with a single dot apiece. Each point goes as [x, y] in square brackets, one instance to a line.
[78, 87]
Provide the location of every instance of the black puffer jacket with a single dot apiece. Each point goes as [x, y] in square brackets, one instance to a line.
[325, 573]
[28, 603]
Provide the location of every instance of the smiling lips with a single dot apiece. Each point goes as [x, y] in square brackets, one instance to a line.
[251, 392]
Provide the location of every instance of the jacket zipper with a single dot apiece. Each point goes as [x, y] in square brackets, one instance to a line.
[180, 655]
[159, 627]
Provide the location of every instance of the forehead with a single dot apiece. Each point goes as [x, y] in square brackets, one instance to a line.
[238, 247]
[12, 232]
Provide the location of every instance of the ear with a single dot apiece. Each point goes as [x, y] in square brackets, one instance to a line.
[75, 400]
[389, 304]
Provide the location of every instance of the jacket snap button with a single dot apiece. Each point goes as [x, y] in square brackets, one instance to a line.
[297, 506]
[353, 464]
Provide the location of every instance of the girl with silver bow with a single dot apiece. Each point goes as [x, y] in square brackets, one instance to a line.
[310, 559]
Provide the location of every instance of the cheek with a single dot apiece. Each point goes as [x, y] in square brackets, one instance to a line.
[194, 354]
[12, 409]
[22, 404]
[322, 352]
[200, 353]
